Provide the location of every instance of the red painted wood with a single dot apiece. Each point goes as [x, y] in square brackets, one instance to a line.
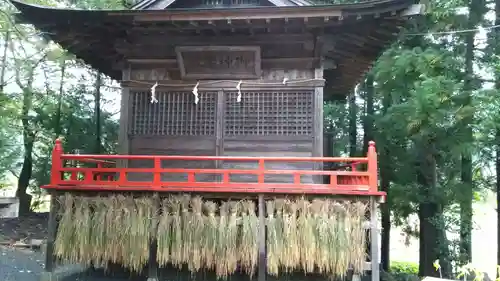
[104, 177]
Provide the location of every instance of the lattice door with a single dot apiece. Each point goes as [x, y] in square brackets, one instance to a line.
[175, 114]
[287, 113]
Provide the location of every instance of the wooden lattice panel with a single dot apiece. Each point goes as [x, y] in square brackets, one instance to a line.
[175, 114]
[269, 113]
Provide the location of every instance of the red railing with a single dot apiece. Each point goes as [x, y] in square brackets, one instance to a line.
[104, 175]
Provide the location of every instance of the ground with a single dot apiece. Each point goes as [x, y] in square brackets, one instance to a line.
[26, 264]
[33, 226]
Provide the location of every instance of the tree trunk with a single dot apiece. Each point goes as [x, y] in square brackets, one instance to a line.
[97, 112]
[497, 162]
[29, 134]
[385, 174]
[24, 180]
[466, 166]
[28, 143]
[353, 136]
[433, 241]
[428, 211]
[3, 67]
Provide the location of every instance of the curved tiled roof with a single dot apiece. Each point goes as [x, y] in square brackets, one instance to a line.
[362, 30]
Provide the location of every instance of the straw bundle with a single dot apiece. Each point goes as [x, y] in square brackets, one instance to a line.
[164, 232]
[291, 255]
[98, 230]
[66, 232]
[249, 238]
[319, 236]
[176, 248]
[197, 226]
[210, 236]
[273, 259]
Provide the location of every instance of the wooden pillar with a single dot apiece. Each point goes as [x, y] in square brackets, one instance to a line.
[125, 117]
[52, 232]
[262, 263]
[153, 243]
[318, 125]
[375, 248]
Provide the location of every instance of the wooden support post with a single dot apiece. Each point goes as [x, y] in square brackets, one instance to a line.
[262, 264]
[153, 243]
[374, 253]
[52, 232]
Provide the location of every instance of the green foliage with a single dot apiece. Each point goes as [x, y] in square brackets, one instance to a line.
[401, 271]
[422, 111]
[404, 267]
[43, 97]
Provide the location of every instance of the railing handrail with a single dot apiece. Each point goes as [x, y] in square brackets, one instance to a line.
[369, 177]
[90, 160]
[83, 157]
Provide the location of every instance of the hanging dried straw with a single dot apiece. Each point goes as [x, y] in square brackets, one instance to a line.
[273, 259]
[291, 250]
[99, 236]
[249, 238]
[221, 266]
[164, 233]
[232, 246]
[210, 235]
[197, 227]
[357, 235]
[66, 232]
[322, 236]
[177, 243]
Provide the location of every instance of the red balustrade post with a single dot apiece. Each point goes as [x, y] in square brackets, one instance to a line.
[57, 165]
[156, 172]
[372, 167]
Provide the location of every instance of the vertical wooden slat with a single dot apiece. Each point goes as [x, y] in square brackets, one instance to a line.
[168, 112]
[374, 253]
[262, 263]
[163, 113]
[219, 127]
[145, 111]
[153, 109]
[192, 124]
[52, 231]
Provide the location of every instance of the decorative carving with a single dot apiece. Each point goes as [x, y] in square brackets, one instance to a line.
[219, 62]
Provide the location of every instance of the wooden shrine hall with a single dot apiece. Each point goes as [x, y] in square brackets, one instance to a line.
[224, 97]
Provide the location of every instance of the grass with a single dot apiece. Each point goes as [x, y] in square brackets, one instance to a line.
[319, 236]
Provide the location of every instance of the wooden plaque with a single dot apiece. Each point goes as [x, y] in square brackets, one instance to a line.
[219, 62]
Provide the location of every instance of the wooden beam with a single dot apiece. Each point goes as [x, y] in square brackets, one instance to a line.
[235, 14]
[269, 63]
[169, 40]
[188, 85]
[224, 26]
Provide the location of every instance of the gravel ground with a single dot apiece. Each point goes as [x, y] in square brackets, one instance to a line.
[33, 226]
[17, 265]
[27, 265]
